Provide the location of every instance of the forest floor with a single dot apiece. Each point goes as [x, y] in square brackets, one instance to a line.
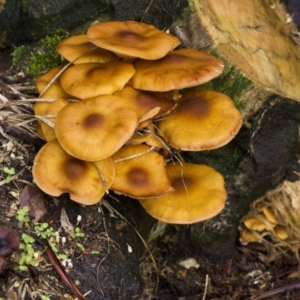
[105, 256]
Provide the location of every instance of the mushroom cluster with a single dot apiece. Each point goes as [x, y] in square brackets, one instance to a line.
[274, 219]
[115, 115]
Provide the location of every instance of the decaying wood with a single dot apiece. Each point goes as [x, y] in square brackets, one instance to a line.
[254, 36]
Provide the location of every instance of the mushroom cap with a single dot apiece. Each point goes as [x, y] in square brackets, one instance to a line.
[107, 171]
[95, 128]
[199, 194]
[281, 233]
[249, 236]
[133, 39]
[177, 70]
[143, 101]
[92, 79]
[258, 223]
[55, 90]
[52, 109]
[269, 214]
[9, 241]
[140, 173]
[56, 172]
[78, 49]
[202, 120]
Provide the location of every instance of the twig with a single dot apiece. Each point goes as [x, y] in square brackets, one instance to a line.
[205, 287]
[146, 11]
[277, 291]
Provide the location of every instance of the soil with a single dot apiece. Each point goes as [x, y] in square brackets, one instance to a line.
[113, 260]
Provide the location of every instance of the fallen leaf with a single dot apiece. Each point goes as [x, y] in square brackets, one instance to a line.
[33, 197]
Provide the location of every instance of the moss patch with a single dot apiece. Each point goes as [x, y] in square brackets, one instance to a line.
[33, 60]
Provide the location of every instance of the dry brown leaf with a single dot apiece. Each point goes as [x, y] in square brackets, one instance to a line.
[33, 197]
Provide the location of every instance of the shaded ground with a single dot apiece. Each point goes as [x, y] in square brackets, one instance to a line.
[115, 263]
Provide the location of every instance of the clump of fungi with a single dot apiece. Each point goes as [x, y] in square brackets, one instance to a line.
[114, 116]
[274, 219]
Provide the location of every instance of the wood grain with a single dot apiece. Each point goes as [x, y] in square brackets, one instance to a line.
[254, 37]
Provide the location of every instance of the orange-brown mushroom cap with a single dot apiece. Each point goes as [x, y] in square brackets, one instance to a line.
[199, 194]
[177, 70]
[55, 90]
[56, 172]
[78, 49]
[52, 109]
[133, 39]
[143, 101]
[140, 172]
[107, 171]
[95, 128]
[202, 120]
[92, 79]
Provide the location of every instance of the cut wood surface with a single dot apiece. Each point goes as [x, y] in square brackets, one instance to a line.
[254, 36]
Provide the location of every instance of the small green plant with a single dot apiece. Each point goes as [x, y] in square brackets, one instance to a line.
[22, 215]
[77, 234]
[9, 172]
[45, 297]
[44, 230]
[27, 255]
[80, 246]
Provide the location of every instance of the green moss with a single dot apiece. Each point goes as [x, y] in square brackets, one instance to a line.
[33, 60]
[231, 82]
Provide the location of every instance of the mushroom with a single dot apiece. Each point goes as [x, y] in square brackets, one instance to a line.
[132, 39]
[56, 172]
[249, 236]
[140, 172]
[258, 223]
[202, 120]
[55, 90]
[52, 109]
[143, 101]
[9, 241]
[281, 233]
[92, 79]
[199, 194]
[177, 70]
[269, 214]
[78, 49]
[106, 169]
[95, 128]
